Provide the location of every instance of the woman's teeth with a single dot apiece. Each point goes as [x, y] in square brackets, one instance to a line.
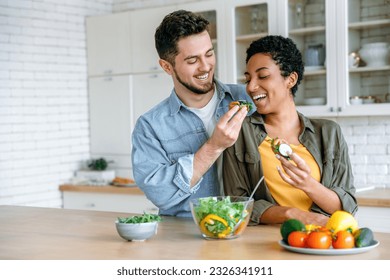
[258, 97]
[203, 77]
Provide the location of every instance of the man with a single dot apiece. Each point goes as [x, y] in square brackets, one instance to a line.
[177, 143]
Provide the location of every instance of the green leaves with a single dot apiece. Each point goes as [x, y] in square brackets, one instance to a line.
[145, 218]
[98, 164]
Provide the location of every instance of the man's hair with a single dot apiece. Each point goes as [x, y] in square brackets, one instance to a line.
[283, 51]
[175, 26]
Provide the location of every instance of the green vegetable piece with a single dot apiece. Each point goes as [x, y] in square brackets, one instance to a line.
[363, 237]
[145, 218]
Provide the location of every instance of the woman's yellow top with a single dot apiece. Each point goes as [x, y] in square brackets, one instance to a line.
[283, 193]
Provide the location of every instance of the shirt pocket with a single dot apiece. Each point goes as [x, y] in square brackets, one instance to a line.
[328, 169]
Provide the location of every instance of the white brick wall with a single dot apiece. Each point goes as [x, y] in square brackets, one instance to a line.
[369, 143]
[44, 130]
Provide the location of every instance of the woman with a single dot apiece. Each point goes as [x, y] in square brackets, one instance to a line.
[312, 181]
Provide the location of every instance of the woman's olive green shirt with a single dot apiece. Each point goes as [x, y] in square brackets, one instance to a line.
[242, 165]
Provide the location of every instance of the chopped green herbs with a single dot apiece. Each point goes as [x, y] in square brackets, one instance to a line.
[145, 218]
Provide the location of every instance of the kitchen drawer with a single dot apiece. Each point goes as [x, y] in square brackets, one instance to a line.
[108, 202]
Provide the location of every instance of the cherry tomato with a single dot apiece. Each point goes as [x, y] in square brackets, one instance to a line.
[297, 239]
[319, 240]
[343, 240]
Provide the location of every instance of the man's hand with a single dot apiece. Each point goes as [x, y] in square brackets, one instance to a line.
[227, 129]
[225, 135]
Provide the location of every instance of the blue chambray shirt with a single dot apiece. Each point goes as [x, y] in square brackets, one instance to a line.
[164, 142]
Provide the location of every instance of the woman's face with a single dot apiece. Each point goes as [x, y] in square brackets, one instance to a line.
[269, 90]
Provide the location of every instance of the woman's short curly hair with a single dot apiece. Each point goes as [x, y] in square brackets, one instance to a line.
[283, 51]
[175, 26]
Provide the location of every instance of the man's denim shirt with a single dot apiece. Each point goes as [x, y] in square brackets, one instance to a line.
[164, 142]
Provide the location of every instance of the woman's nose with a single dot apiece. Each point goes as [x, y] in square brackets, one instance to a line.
[252, 86]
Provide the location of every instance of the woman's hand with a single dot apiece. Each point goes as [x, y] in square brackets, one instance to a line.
[295, 172]
[278, 214]
[307, 217]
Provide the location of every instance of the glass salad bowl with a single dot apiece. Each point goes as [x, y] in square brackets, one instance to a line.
[221, 217]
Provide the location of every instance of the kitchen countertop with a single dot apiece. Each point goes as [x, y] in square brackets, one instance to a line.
[102, 189]
[51, 233]
[378, 197]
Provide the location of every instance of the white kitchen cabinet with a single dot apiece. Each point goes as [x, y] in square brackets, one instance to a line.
[116, 102]
[106, 198]
[363, 22]
[123, 43]
[247, 21]
[143, 23]
[214, 12]
[342, 27]
[147, 90]
[110, 114]
[109, 44]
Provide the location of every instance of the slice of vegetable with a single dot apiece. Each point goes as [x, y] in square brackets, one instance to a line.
[241, 103]
[210, 226]
[285, 150]
[281, 147]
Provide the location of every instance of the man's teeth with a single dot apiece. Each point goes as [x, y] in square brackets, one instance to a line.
[258, 97]
[203, 77]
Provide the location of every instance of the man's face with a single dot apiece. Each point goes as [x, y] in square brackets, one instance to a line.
[194, 64]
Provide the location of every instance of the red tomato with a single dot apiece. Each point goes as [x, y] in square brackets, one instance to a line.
[319, 240]
[297, 239]
[344, 240]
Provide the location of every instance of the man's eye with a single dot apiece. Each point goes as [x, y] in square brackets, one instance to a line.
[192, 60]
[210, 53]
[263, 77]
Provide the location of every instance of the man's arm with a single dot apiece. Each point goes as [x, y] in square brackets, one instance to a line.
[225, 135]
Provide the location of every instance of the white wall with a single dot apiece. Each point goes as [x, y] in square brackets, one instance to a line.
[44, 129]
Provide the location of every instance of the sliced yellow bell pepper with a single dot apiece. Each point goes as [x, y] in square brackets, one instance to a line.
[210, 220]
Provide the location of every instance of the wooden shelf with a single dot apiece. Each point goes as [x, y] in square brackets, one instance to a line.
[369, 24]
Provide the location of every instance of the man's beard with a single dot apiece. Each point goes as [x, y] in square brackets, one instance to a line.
[203, 90]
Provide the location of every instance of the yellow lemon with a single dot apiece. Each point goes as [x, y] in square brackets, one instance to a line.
[341, 220]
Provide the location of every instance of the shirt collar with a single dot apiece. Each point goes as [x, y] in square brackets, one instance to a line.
[175, 103]
[256, 118]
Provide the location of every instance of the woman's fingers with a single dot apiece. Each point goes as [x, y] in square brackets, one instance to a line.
[295, 171]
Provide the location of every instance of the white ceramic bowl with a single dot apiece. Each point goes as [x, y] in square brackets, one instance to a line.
[314, 101]
[136, 232]
[369, 100]
[356, 100]
[218, 217]
[375, 54]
